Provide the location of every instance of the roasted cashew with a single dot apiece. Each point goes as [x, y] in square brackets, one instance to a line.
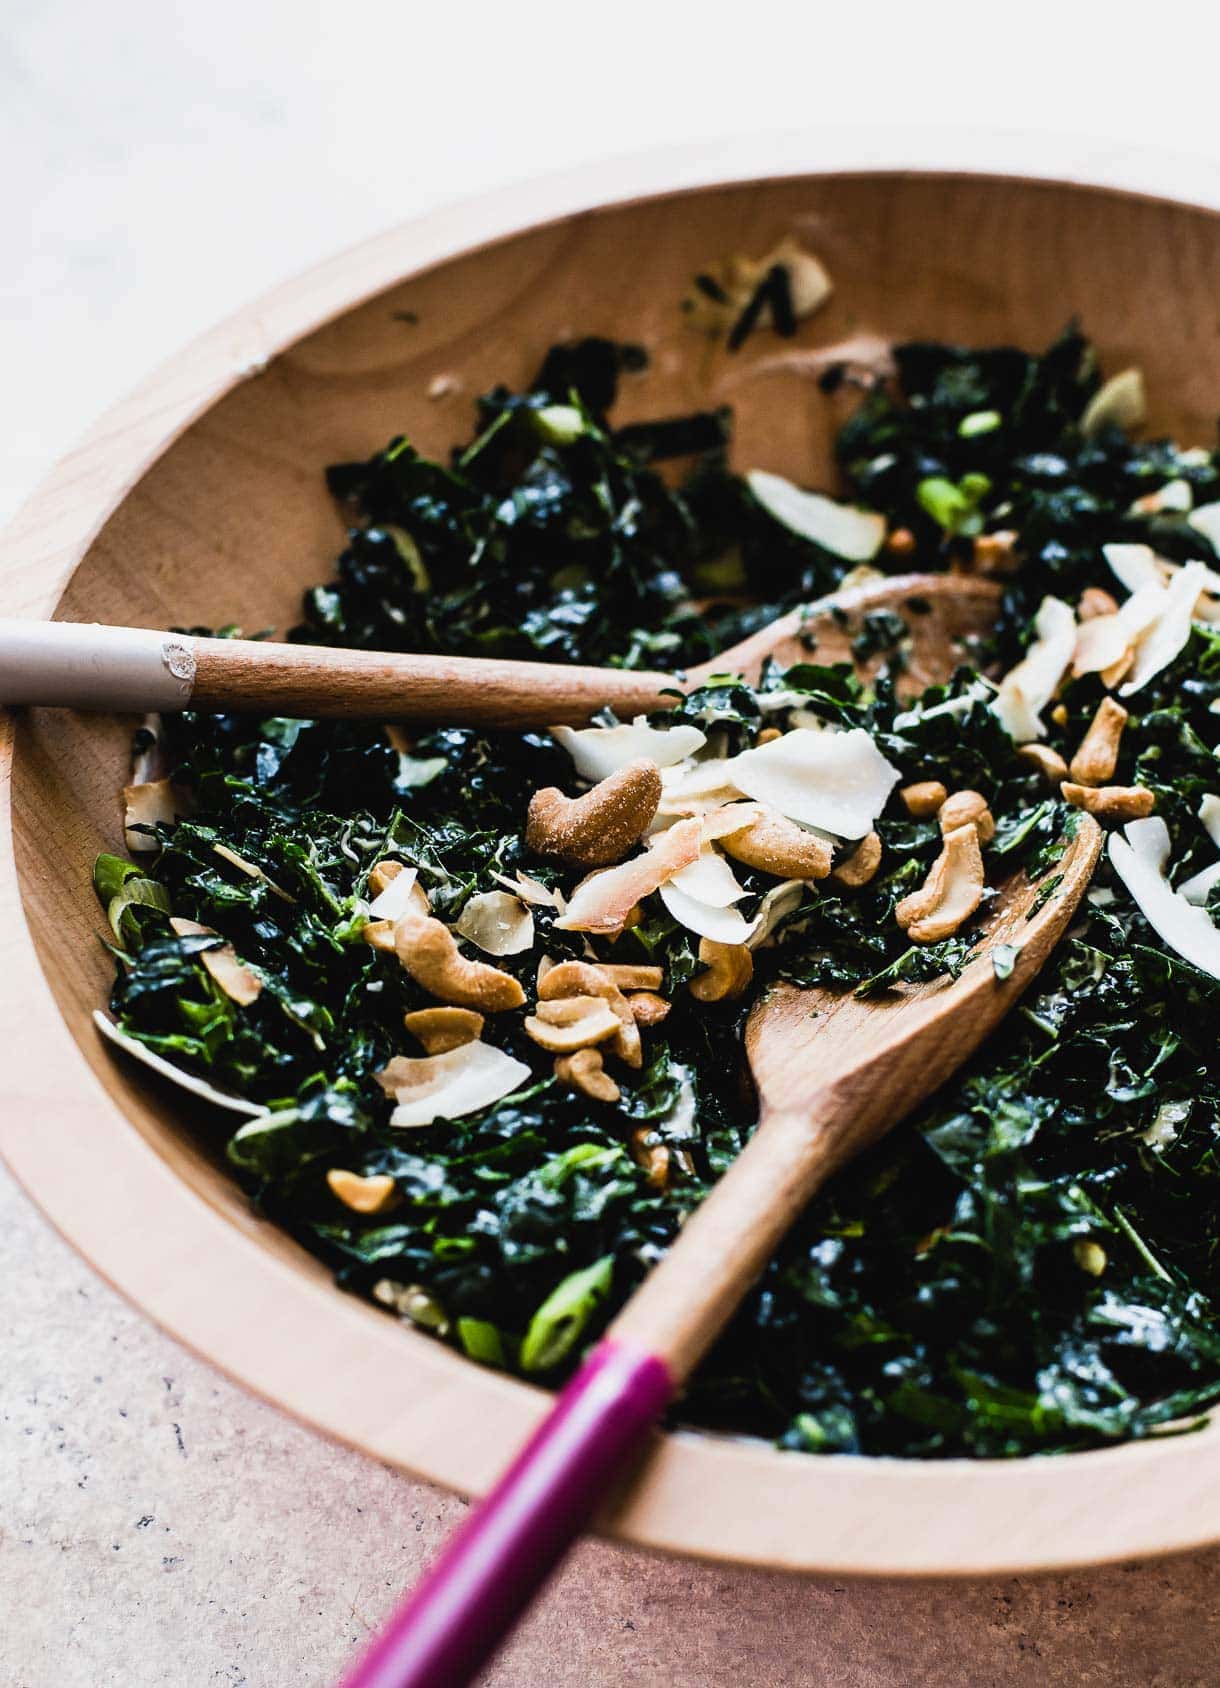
[967, 808]
[586, 1072]
[653, 1155]
[1110, 802]
[949, 895]
[428, 951]
[443, 1029]
[631, 978]
[862, 864]
[363, 1195]
[1048, 762]
[1096, 759]
[776, 845]
[924, 798]
[730, 967]
[600, 827]
[575, 1022]
[582, 978]
[996, 553]
[766, 735]
[647, 1008]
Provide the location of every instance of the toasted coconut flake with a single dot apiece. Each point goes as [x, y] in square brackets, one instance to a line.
[395, 889]
[1106, 641]
[251, 870]
[842, 529]
[597, 752]
[709, 879]
[1120, 402]
[186, 1081]
[602, 902]
[721, 924]
[497, 923]
[1206, 520]
[150, 804]
[1139, 858]
[450, 1086]
[779, 902]
[241, 984]
[531, 890]
[730, 818]
[1166, 636]
[837, 782]
[1175, 496]
[1027, 689]
[697, 787]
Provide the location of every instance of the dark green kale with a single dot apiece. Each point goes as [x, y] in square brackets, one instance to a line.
[1031, 1263]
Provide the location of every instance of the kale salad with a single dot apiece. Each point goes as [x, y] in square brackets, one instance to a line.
[469, 1005]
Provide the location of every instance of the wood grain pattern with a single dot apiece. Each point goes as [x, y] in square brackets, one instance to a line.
[834, 1072]
[201, 498]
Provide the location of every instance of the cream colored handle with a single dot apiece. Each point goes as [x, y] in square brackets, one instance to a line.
[58, 663]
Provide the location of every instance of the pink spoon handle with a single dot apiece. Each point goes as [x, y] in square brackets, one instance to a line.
[498, 1560]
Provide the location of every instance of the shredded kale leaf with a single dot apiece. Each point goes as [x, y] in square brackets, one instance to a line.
[1031, 1263]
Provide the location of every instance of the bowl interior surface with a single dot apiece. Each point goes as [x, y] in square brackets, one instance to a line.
[233, 521]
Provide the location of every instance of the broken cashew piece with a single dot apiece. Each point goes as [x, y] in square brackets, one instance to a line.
[730, 967]
[647, 1008]
[585, 1071]
[996, 553]
[628, 977]
[778, 846]
[1095, 602]
[967, 808]
[1048, 762]
[443, 1029]
[582, 978]
[574, 1022]
[1110, 802]
[428, 951]
[363, 1195]
[1096, 759]
[949, 895]
[651, 1154]
[923, 798]
[600, 827]
[862, 864]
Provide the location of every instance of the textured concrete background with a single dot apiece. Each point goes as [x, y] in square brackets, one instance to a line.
[160, 1529]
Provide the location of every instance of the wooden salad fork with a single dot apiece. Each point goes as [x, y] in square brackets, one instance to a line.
[833, 1073]
[78, 666]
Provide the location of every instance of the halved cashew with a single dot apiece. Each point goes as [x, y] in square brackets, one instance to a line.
[648, 1151]
[1096, 759]
[967, 808]
[573, 978]
[951, 892]
[600, 827]
[776, 845]
[629, 978]
[647, 1008]
[1110, 802]
[1095, 602]
[585, 1071]
[730, 967]
[575, 1022]
[923, 798]
[1048, 762]
[443, 1029]
[241, 984]
[428, 951]
[363, 1195]
[862, 864]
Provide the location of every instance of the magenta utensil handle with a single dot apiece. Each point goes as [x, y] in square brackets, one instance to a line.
[500, 1557]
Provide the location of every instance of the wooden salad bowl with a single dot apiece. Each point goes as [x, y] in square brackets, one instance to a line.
[201, 500]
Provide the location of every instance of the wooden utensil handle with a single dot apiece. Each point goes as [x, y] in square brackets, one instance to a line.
[688, 1298]
[133, 668]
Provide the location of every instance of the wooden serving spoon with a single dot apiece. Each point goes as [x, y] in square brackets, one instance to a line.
[78, 666]
[833, 1073]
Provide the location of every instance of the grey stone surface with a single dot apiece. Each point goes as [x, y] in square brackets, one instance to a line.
[161, 1529]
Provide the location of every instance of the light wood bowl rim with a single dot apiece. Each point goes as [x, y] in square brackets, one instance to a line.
[339, 1364]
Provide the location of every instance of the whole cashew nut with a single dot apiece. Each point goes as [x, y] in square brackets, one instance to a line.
[428, 951]
[778, 846]
[951, 892]
[600, 827]
[730, 967]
